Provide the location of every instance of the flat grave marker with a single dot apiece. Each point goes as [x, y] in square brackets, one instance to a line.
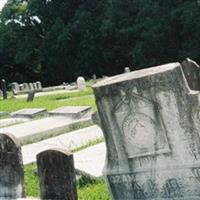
[29, 112]
[71, 111]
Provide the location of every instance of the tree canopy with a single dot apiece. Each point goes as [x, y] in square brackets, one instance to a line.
[57, 40]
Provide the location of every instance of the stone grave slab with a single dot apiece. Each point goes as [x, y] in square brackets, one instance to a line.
[71, 111]
[37, 130]
[150, 119]
[29, 112]
[90, 161]
[69, 141]
[12, 121]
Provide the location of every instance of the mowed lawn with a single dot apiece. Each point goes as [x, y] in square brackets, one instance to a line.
[50, 102]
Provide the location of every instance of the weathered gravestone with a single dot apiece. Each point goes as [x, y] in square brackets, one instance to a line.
[31, 95]
[57, 175]
[35, 86]
[39, 85]
[31, 88]
[4, 89]
[11, 168]
[192, 73]
[15, 88]
[81, 84]
[26, 87]
[21, 87]
[127, 70]
[150, 119]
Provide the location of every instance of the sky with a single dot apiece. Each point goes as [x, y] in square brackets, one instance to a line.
[2, 2]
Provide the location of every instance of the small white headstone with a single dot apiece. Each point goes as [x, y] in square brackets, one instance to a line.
[15, 87]
[127, 70]
[81, 83]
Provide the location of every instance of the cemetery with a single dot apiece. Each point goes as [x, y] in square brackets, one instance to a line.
[99, 100]
[59, 151]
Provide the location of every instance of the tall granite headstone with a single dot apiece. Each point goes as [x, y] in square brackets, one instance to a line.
[11, 168]
[57, 175]
[151, 122]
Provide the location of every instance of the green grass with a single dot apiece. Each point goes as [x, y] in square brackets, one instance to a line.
[50, 102]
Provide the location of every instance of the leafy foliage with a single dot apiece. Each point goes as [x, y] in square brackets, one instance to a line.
[58, 40]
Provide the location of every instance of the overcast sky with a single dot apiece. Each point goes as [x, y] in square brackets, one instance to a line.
[2, 2]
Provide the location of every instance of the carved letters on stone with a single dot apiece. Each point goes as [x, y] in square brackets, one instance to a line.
[144, 133]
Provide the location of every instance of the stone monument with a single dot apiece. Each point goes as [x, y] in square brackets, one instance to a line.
[81, 83]
[26, 87]
[151, 123]
[31, 88]
[192, 73]
[127, 70]
[39, 85]
[57, 175]
[11, 168]
[15, 88]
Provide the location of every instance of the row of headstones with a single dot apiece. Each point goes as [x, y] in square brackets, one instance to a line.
[26, 87]
[55, 171]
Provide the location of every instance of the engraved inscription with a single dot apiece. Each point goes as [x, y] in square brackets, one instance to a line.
[141, 125]
[196, 172]
[172, 188]
[126, 182]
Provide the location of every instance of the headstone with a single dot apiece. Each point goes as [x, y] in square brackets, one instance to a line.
[127, 70]
[31, 95]
[21, 87]
[81, 84]
[192, 73]
[26, 86]
[57, 175]
[15, 88]
[72, 111]
[31, 88]
[11, 168]
[4, 89]
[35, 86]
[150, 119]
[94, 77]
[38, 85]
[29, 112]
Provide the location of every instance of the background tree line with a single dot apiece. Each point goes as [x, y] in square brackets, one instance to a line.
[58, 40]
